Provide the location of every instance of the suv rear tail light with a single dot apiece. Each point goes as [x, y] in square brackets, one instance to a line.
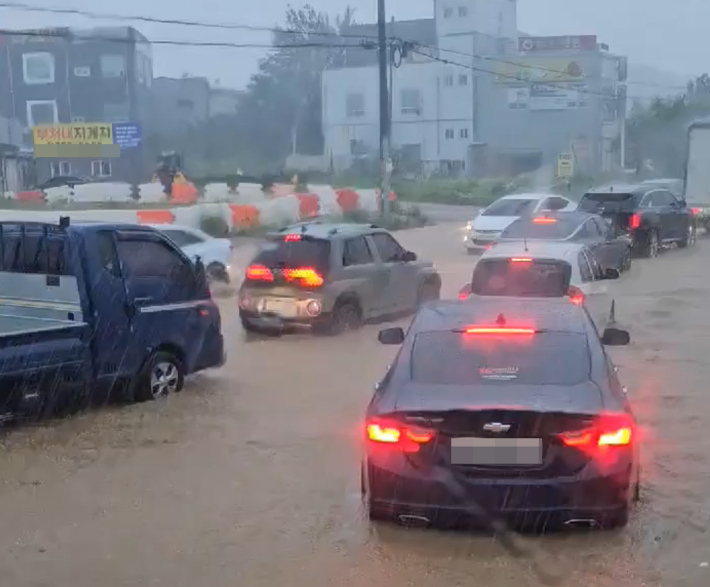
[696, 211]
[259, 273]
[635, 221]
[292, 238]
[544, 220]
[576, 295]
[406, 438]
[307, 276]
[609, 430]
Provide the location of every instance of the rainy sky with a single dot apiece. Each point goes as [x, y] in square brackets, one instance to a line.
[649, 32]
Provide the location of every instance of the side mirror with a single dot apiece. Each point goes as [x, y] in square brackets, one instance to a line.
[465, 292]
[391, 336]
[615, 337]
[409, 256]
[611, 273]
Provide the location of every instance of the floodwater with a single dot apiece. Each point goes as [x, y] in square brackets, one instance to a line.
[250, 476]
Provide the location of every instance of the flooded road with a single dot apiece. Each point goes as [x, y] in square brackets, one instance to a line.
[250, 476]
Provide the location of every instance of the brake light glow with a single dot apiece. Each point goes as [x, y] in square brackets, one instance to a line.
[576, 295]
[610, 430]
[308, 276]
[406, 438]
[291, 238]
[259, 273]
[498, 330]
[544, 220]
[696, 211]
[635, 221]
[520, 260]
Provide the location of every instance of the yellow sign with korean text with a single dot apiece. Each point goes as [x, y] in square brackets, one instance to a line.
[84, 133]
[539, 70]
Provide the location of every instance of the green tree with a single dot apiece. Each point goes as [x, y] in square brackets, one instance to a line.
[281, 110]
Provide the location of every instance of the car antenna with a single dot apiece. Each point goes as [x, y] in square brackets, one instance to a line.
[525, 244]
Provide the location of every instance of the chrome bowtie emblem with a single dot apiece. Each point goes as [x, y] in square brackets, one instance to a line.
[496, 427]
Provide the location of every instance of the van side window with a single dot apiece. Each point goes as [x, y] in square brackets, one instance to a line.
[108, 254]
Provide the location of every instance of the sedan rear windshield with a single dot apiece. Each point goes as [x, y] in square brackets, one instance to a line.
[547, 358]
[287, 254]
[535, 278]
[509, 207]
[608, 202]
[560, 229]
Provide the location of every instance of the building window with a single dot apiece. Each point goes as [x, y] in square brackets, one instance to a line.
[38, 68]
[101, 168]
[78, 119]
[464, 133]
[463, 11]
[82, 71]
[41, 112]
[448, 80]
[355, 105]
[411, 101]
[113, 65]
[60, 168]
[448, 12]
[116, 112]
[449, 133]
[463, 79]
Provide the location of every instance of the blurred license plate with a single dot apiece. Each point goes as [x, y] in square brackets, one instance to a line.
[280, 307]
[496, 451]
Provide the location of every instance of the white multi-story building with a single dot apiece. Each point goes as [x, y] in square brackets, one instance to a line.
[434, 103]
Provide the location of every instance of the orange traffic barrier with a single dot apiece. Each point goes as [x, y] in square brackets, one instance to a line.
[309, 205]
[348, 199]
[37, 197]
[155, 217]
[183, 193]
[244, 216]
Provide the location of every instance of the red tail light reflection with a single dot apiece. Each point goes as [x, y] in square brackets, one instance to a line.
[406, 438]
[290, 238]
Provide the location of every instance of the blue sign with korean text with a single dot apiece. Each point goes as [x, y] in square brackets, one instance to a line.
[127, 135]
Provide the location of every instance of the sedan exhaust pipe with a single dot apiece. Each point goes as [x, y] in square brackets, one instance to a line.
[582, 523]
[412, 521]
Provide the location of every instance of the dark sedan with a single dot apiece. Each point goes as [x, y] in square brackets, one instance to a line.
[501, 409]
[612, 249]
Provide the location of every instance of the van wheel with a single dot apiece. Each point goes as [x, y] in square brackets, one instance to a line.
[162, 376]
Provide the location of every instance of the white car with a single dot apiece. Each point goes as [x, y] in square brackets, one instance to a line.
[546, 269]
[216, 253]
[483, 230]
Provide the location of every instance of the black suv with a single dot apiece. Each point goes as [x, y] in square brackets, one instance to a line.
[650, 215]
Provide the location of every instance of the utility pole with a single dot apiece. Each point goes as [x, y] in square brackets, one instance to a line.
[385, 162]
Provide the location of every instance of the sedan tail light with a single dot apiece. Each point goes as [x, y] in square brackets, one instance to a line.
[306, 276]
[609, 430]
[405, 438]
[576, 295]
[259, 273]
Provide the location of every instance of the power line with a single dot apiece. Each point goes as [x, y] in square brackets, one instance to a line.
[234, 26]
[512, 77]
[171, 21]
[113, 39]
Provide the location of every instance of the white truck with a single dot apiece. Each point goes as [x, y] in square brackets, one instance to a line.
[697, 171]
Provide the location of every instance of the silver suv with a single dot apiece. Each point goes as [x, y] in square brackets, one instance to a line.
[332, 277]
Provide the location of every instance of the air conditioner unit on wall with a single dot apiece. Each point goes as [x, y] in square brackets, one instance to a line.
[82, 71]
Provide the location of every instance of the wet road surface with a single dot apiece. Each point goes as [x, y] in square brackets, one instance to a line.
[250, 476]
